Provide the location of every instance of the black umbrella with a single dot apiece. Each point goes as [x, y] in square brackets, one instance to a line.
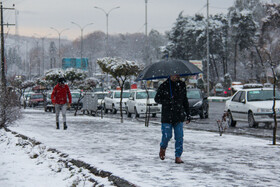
[165, 68]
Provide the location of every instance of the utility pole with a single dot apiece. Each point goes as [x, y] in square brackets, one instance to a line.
[208, 63]
[146, 33]
[3, 73]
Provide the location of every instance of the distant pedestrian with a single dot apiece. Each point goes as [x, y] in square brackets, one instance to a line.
[59, 98]
[172, 95]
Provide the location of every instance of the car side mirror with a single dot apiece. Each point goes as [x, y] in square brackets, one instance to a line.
[243, 101]
[131, 98]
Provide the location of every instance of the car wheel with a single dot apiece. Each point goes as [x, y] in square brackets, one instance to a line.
[114, 110]
[128, 113]
[231, 122]
[105, 109]
[206, 111]
[251, 120]
[136, 113]
[202, 114]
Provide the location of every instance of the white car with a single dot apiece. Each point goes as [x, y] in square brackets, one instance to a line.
[138, 103]
[253, 106]
[24, 100]
[112, 101]
[101, 96]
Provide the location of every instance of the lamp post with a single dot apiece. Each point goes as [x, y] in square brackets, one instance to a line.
[59, 34]
[208, 62]
[107, 17]
[82, 29]
[43, 52]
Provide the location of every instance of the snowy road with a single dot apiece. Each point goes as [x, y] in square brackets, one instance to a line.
[130, 150]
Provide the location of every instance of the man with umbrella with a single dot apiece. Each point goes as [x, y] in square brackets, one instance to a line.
[173, 97]
[175, 108]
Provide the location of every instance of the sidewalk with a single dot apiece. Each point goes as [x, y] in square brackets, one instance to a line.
[130, 150]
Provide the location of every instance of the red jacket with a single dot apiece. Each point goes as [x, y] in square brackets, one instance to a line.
[60, 93]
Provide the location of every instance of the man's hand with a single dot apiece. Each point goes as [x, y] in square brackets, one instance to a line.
[188, 119]
[68, 105]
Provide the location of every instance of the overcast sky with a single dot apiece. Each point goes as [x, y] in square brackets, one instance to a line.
[37, 16]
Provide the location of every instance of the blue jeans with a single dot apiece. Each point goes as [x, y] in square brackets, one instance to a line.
[166, 130]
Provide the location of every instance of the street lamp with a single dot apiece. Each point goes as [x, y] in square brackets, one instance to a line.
[59, 34]
[82, 29]
[43, 52]
[107, 16]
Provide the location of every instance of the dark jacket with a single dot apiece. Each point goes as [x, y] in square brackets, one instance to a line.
[175, 105]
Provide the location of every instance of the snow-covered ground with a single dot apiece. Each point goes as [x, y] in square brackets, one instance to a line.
[130, 150]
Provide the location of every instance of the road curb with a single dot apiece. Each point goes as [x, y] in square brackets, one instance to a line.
[66, 159]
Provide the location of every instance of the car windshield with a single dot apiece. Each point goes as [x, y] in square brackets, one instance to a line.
[75, 95]
[101, 96]
[125, 94]
[143, 95]
[37, 96]
[262, 95]
[193, 94]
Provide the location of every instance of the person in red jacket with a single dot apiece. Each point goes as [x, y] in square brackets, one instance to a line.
[59, 98]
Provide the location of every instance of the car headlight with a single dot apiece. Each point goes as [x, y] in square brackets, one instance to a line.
[141, 104]
[199, 103]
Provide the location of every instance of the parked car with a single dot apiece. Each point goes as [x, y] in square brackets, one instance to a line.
[24, 100]
[76, 95]
[100, 96]
[252, 105]
[112, 101]
[49, 106]
[36, 99]
[218, 90]
[198, 103]
[268, 85]
[235, 86]
[139, 101]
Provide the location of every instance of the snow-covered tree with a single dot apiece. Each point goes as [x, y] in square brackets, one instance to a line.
[120, 69]
[72, 74]
[242, 31]
[53, 75]
[20, 85]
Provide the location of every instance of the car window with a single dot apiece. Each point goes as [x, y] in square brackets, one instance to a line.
[132, 94]
[75, 95]
[236, 97]
[101, 96]
[125, 94]
[109, 95]
[143, 95]
[193, 94]
[242, 97]
[37, 96]
[262, 95]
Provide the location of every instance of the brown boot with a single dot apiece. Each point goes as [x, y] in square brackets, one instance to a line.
[178, 160]
[162, 153]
